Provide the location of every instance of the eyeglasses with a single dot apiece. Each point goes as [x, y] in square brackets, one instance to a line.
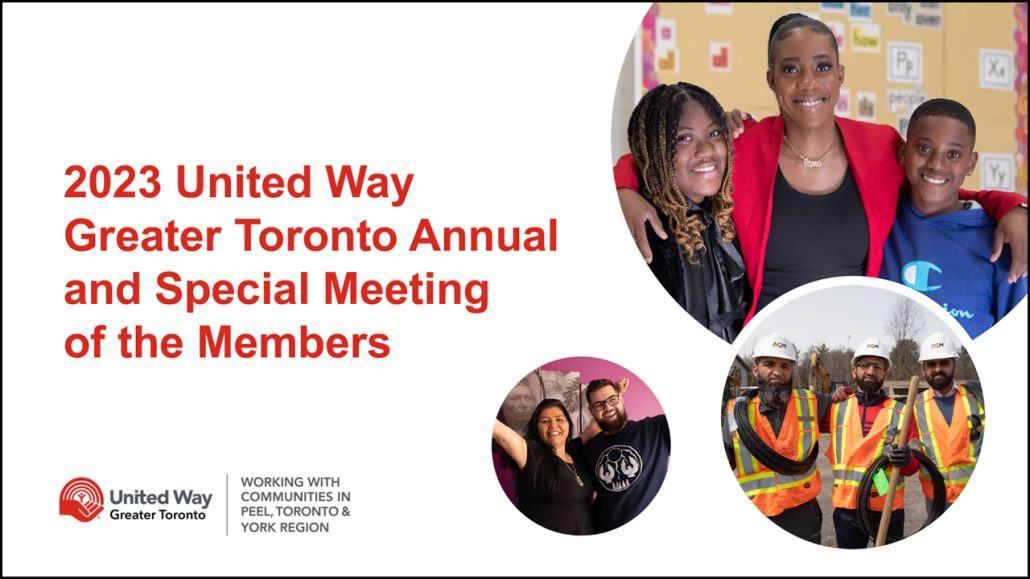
[865, 365]
[612, 401]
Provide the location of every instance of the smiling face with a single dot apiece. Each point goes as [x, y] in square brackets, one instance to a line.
[608, 409]
[700, 156]
[806, 78]
[937, 158]
[552, 427]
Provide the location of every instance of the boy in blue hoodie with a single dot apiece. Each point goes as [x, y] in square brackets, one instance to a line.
[939, 245]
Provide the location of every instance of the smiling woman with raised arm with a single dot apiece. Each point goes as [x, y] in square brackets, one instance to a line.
[554, 485]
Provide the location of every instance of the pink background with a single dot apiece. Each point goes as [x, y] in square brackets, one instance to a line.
[639, 400]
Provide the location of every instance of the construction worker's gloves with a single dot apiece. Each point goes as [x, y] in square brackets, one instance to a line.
[900, 456]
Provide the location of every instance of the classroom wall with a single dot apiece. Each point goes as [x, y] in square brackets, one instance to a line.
[937, 52]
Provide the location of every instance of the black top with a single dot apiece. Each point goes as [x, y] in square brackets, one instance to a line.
[570, 514]
[813, 237]
[714, 292]
[629, 467]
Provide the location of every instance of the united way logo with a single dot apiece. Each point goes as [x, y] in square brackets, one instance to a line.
[81, 498]
[618, 467]
[916, 275]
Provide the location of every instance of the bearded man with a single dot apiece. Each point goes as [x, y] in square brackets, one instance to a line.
[949, 419]
[862, 427]
[628, 459]
[771, 449]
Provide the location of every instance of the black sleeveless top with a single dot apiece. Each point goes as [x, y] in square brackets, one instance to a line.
[813, 237]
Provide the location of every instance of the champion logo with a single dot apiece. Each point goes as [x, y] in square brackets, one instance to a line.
[81, 498]
[916, 275]
[957, 313]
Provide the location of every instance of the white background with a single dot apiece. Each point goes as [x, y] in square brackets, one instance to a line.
[503, 115]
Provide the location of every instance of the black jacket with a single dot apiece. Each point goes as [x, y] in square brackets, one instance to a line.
[715, 292]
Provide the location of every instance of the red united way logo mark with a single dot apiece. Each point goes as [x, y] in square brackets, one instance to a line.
[82, 498]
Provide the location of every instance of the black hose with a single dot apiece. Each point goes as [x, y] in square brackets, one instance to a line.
[977, 390]
[865, 486]
[761, 451]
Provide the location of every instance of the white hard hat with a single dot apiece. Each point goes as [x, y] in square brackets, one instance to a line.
[871, 347]
[774, 346]
[937, 346]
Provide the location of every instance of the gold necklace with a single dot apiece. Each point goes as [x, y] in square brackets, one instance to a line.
[572, 469]
[810, 164]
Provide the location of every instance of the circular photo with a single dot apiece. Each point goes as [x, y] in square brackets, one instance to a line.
[747, 166]
[849, 402]
[581, 446]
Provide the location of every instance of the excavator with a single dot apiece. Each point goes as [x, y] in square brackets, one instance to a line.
[818, 377]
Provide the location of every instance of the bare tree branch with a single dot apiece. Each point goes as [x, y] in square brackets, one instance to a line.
[904, 321]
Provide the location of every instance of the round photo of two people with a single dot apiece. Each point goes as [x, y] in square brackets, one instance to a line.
[581, 446]
[746, 166]
[849, 403]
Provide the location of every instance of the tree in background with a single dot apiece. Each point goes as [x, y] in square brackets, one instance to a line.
[965, 370]
[836, 362]
[904, 323]
[905, 360]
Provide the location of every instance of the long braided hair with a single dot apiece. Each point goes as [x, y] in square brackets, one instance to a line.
[652, 140]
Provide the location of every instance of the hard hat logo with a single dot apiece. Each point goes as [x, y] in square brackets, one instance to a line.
[774, 346]
[937, 346]
[870, 347]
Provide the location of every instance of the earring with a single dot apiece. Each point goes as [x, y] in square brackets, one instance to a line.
[969, 173]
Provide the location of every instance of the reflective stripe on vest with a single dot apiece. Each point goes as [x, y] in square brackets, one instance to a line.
[956, 468]
[848, 470]
[772, 492]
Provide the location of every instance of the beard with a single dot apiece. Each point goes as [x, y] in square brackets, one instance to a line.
[940, 380]
[615, 423]
[869, 385]
[774, 394]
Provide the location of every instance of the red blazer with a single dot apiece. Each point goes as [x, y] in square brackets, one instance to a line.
[872, 152]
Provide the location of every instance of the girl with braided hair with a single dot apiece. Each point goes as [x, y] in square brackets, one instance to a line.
[680, 142]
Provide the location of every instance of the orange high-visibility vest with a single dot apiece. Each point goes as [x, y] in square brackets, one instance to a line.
[850, 453]
[948, 446]
[770, 491]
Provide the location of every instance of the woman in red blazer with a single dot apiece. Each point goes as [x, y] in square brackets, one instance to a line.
[819, 169]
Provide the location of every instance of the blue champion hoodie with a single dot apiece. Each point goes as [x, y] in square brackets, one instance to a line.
[947, 257]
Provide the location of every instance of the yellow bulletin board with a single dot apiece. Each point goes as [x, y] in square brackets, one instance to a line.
[895, 55]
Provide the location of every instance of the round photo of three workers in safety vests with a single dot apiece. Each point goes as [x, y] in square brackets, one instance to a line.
[847, 403]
